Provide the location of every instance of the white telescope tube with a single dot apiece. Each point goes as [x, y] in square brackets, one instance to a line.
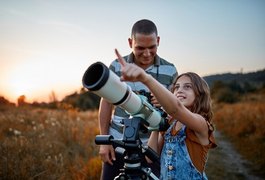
[103, 82]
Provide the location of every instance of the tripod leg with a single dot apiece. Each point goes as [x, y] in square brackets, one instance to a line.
[149, 173]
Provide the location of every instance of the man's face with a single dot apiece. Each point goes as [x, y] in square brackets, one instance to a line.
[144, 48]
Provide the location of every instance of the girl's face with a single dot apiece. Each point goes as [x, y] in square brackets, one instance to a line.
[184, 91]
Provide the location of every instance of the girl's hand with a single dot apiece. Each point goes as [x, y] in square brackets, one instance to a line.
[154, 101]
[130, 72]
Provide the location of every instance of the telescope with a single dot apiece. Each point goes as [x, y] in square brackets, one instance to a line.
[106, 84]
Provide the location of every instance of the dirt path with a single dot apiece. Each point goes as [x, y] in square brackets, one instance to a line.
[225, 163]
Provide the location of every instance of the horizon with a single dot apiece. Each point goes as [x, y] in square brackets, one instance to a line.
[46, 46]
[78, 90]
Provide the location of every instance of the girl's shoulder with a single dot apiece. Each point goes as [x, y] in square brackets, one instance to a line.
[193, 138]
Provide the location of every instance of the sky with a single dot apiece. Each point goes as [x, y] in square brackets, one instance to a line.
[46, 45]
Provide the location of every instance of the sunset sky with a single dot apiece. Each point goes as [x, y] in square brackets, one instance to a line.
[46, 45]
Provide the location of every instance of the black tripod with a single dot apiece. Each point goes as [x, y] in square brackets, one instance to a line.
[134, 152]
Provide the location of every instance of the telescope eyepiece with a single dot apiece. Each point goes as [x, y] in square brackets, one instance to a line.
[95, 76]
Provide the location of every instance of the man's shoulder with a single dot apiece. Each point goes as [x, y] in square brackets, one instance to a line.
[167, 68]
[114, 62]
[165, 62]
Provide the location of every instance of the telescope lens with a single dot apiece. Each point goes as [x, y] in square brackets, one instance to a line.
[95, 76]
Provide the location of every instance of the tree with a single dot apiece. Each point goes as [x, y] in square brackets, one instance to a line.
[53, 97]
[21, 100]
[222, 92]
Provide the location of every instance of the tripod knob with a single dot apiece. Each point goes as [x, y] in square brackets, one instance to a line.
[104, 139]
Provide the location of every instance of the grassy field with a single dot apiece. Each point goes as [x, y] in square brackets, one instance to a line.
[59, 144]
[243, 124]
[48, 144]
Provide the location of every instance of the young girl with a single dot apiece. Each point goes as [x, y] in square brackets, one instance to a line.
[184, 146]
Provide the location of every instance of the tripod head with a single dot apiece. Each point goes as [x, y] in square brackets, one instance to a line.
[134, 151]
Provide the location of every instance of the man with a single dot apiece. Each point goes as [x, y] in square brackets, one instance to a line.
[144, 43]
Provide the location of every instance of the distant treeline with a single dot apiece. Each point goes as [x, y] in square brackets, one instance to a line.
[256, 79]
[81, 101]
[84, 100]
[228, 88]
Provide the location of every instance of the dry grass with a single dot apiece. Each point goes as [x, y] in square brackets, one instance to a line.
[48, 144]
[244, 124]
[58, 144]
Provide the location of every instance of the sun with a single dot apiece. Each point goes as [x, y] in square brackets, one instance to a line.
[37, 77]
[21, 82]
[21, 85]
[29, 78]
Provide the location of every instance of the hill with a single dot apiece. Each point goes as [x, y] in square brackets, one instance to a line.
[254, 78]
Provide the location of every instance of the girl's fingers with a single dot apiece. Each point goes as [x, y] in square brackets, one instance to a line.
[120, 58]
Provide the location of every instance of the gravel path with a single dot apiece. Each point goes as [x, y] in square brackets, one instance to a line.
[225, 163]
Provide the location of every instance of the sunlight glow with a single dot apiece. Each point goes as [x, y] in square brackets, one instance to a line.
[36, 78]
[46, 46]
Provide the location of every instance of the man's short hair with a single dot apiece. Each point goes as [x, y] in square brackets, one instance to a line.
[145, 27]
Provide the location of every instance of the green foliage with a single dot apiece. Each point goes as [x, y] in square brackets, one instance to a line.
[83, 101]
[250, 88]
[225, 95]
[230, 88]
[231, 92]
